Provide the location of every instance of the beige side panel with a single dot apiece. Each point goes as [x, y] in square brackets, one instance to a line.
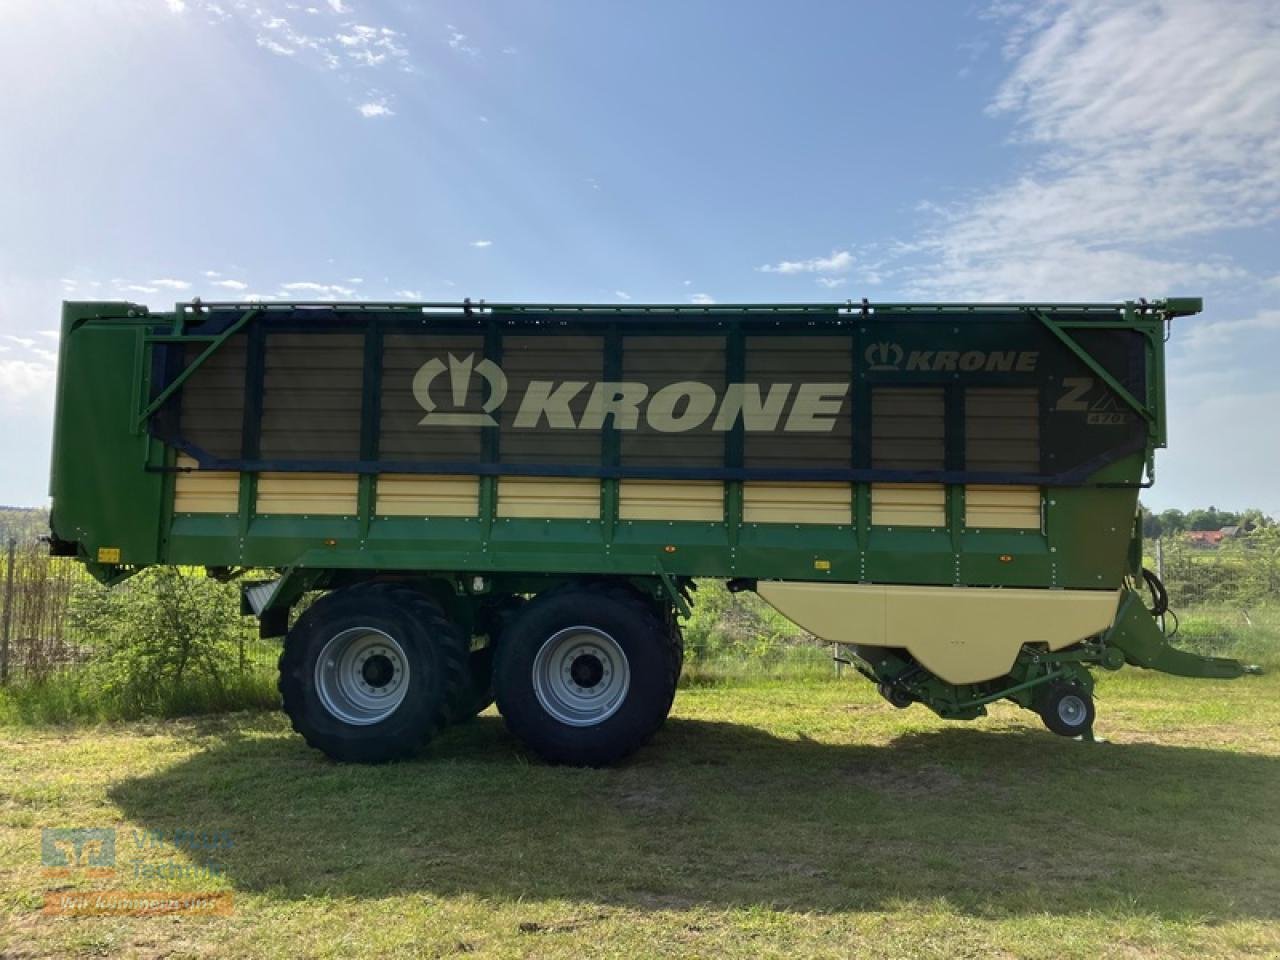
[205, 491]
[908, 505]
[572, 498]
[421, 495]
[800, 502]
[310, 494]
[962, 634]
[1012, 507]
[671, 500]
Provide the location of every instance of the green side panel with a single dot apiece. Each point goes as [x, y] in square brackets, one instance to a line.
[103, 496]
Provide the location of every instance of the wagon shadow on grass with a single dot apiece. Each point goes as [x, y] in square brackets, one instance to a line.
[991, 822]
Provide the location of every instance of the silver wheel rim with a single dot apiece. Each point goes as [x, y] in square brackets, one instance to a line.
[1072, 710]
[362, 676]
[581, 676]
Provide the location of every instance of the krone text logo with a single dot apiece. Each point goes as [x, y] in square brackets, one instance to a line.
[628, 405]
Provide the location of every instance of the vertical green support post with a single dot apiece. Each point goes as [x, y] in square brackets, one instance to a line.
[735, 364]
[370, 423]
[251, 425]
[954, 441]
[610, 441]
[490, 439]
[860, 417]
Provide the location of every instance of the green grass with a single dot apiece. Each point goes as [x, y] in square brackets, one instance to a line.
[81, 696]
[768, 818]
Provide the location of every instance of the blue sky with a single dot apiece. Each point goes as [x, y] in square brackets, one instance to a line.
[156, 150]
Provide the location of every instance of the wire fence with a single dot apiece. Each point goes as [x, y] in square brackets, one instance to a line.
[45, 622]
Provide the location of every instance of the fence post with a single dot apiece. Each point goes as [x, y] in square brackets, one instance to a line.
[1160, 558]
[8, 613]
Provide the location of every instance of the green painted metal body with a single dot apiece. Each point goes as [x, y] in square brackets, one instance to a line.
[113, 472]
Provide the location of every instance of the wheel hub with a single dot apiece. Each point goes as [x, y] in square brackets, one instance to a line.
[1071, 710]
[581, 676]
[586, 670]
[362, 676]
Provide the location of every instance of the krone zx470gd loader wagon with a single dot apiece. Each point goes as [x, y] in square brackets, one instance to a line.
[512, 501]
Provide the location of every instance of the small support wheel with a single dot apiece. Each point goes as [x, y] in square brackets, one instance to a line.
[1066, 709]
[895, 695]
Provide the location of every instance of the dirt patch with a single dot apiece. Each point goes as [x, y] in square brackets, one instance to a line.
[905, 782]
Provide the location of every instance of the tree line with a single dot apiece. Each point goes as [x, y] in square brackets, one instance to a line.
[1171, 522]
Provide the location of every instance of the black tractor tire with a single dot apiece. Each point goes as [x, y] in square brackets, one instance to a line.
[1066, 709]
[476, 695]
[434, 653]
[622, 631]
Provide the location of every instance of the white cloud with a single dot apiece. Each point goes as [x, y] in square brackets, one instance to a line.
[171, 284]
[1137, 153]
[481, 244]
[375, 108]
[458, 42]
[622, 295]
[139, 288]
[838, 262]
[21, 379]
[276, 47]
[1196, 335]
[175, 6]
[212, 274]
[231, 284]
[702, 298]
[50, 334]
[371, 46]
[832, 282]
[355, 279]
[320, 291]
[319, 43]
[409, 294]
[20, 341]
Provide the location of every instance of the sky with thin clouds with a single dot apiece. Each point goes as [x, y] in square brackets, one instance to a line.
[680, 151]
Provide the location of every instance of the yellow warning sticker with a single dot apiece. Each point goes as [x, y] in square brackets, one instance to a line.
[108, 554]
[822, 564]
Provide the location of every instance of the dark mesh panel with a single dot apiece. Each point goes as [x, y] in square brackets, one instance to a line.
[402, 434]
[793, 361]
[661, 362]
[1002, 429]
[908, 427]
[212, 406]
[558, 359]
[311, 396]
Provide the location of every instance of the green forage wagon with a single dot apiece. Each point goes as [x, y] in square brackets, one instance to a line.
[512, 501]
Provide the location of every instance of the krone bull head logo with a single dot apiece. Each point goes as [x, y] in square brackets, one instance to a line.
[460, 373]
[883, 356]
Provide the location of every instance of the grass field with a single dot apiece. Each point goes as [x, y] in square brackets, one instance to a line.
[803, 817]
